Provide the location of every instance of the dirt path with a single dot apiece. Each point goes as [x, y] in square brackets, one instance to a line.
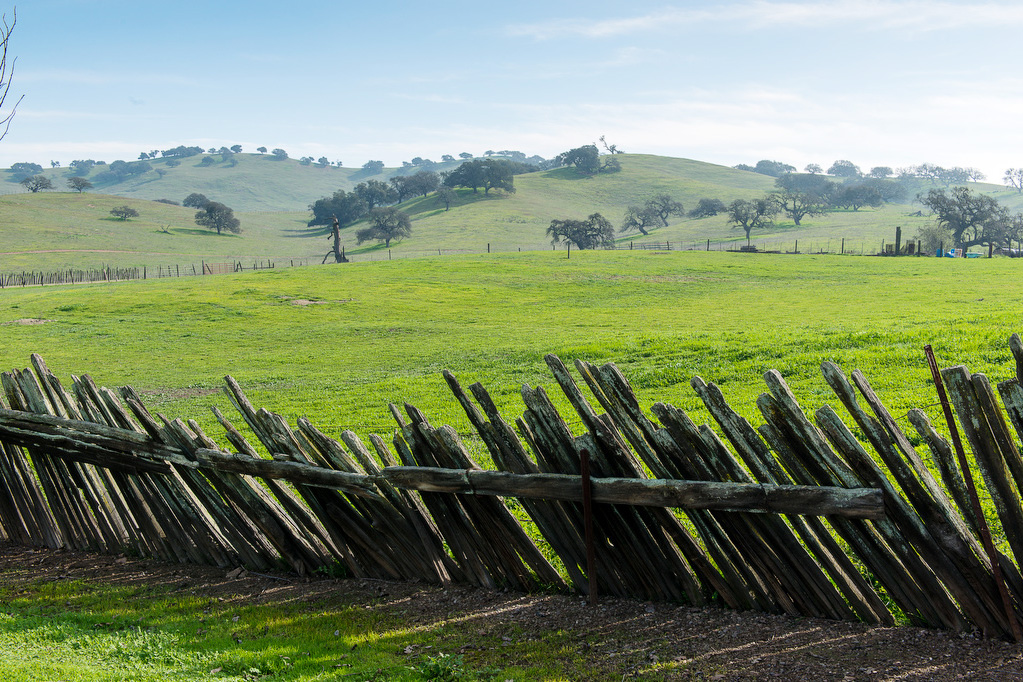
[620, 638]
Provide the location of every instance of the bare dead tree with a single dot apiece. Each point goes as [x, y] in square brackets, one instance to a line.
[335, 234]
[6, 72]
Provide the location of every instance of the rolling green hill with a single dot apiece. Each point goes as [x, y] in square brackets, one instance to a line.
[60, 230]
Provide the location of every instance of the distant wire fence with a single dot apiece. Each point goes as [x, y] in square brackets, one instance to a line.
[119, 274]
[25, 278]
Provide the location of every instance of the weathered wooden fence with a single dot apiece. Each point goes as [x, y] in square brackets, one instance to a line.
[800, 515]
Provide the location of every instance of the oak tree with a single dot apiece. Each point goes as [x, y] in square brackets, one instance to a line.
[216, 216]
[37, 183]
[640, 218]
[78, 184]
[971, 217]
[124, 212]
[195, 200]
[750, 214]
[386, 224]
[594, 232]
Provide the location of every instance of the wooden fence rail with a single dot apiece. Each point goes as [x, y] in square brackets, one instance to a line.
[796, 516]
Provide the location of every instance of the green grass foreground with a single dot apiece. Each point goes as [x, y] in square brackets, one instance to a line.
[92, 631]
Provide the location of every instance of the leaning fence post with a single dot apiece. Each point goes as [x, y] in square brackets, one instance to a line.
[591, 552]
[971, 488]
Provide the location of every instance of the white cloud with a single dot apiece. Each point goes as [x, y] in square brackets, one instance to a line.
[913, 15]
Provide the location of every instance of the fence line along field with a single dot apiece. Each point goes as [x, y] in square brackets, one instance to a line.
[338, 344]
[112, 274]
[86, 469]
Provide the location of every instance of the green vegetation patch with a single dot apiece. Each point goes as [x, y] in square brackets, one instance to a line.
[338, 343]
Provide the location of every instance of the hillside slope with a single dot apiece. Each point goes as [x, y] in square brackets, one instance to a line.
[77, 231]
[510, 221]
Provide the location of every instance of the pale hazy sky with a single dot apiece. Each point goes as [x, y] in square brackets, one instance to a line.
[878, 82]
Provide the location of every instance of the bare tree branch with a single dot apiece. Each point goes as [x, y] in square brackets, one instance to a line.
[7, 72]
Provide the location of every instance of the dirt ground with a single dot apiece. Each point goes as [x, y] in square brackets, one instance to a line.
[620, 638]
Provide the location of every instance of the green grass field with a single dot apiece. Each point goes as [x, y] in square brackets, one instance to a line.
[337, 343]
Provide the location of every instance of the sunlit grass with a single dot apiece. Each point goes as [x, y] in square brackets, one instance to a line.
[76, 630]
[338, 343]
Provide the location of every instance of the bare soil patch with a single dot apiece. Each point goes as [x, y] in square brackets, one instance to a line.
[303, 301]
[618, 640]
[28, 321]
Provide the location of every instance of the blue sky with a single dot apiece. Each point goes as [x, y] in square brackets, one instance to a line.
[878, 82]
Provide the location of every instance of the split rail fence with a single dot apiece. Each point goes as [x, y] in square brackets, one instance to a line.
[803, 515]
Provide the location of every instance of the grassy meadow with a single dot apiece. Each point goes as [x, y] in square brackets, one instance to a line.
[337, 343]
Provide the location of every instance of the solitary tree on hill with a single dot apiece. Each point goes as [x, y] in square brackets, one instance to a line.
[751, 214]
[386, 224]
[36, 183]
[1014, 178]
[596, 231]
[79, 184]
[217, 216]
[261, 150]
[124, 212]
